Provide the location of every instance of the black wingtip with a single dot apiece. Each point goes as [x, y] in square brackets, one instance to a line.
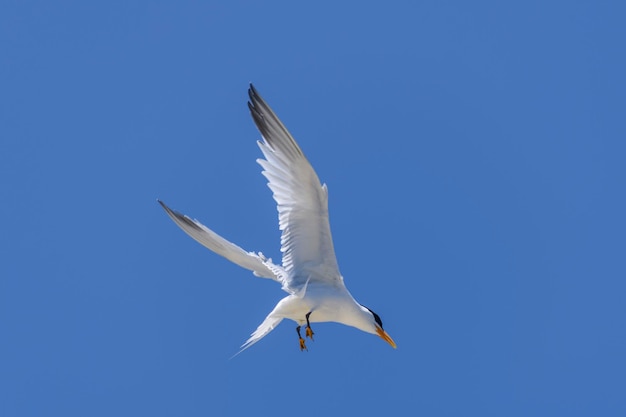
[166, 208]
[254, 95]
[252, 91]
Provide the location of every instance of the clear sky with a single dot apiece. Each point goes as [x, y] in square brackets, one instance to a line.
[475, 158]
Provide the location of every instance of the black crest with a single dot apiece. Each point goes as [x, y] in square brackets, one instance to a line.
[376, 317]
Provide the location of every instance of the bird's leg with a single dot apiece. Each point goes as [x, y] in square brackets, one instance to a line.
[309, 331]
[302, 345]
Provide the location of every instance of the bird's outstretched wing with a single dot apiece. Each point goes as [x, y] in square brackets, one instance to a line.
[306, 241]
[256, 263]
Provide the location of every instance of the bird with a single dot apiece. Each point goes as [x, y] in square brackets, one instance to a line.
[309, 272]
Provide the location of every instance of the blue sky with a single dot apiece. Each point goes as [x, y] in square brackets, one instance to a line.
[474, 154]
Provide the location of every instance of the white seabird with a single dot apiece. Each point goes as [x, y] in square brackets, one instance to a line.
[309, 271]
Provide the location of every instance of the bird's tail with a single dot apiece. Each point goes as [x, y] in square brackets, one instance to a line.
[263, 330]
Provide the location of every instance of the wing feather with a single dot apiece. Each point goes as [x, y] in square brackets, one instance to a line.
[306, 241]
[256, 263]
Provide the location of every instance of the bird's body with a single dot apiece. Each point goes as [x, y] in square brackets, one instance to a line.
[329, 304]
[309, 272]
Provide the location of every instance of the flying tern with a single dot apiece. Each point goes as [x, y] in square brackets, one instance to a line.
[309, 271]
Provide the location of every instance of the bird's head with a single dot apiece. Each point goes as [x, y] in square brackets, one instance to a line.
[374, 325]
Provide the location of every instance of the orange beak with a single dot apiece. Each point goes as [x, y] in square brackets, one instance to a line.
[383, 335]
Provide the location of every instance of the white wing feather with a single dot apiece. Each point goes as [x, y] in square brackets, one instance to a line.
[306, 241]
[256, 263]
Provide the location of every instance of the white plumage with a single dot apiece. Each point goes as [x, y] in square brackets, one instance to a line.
[309, 271]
